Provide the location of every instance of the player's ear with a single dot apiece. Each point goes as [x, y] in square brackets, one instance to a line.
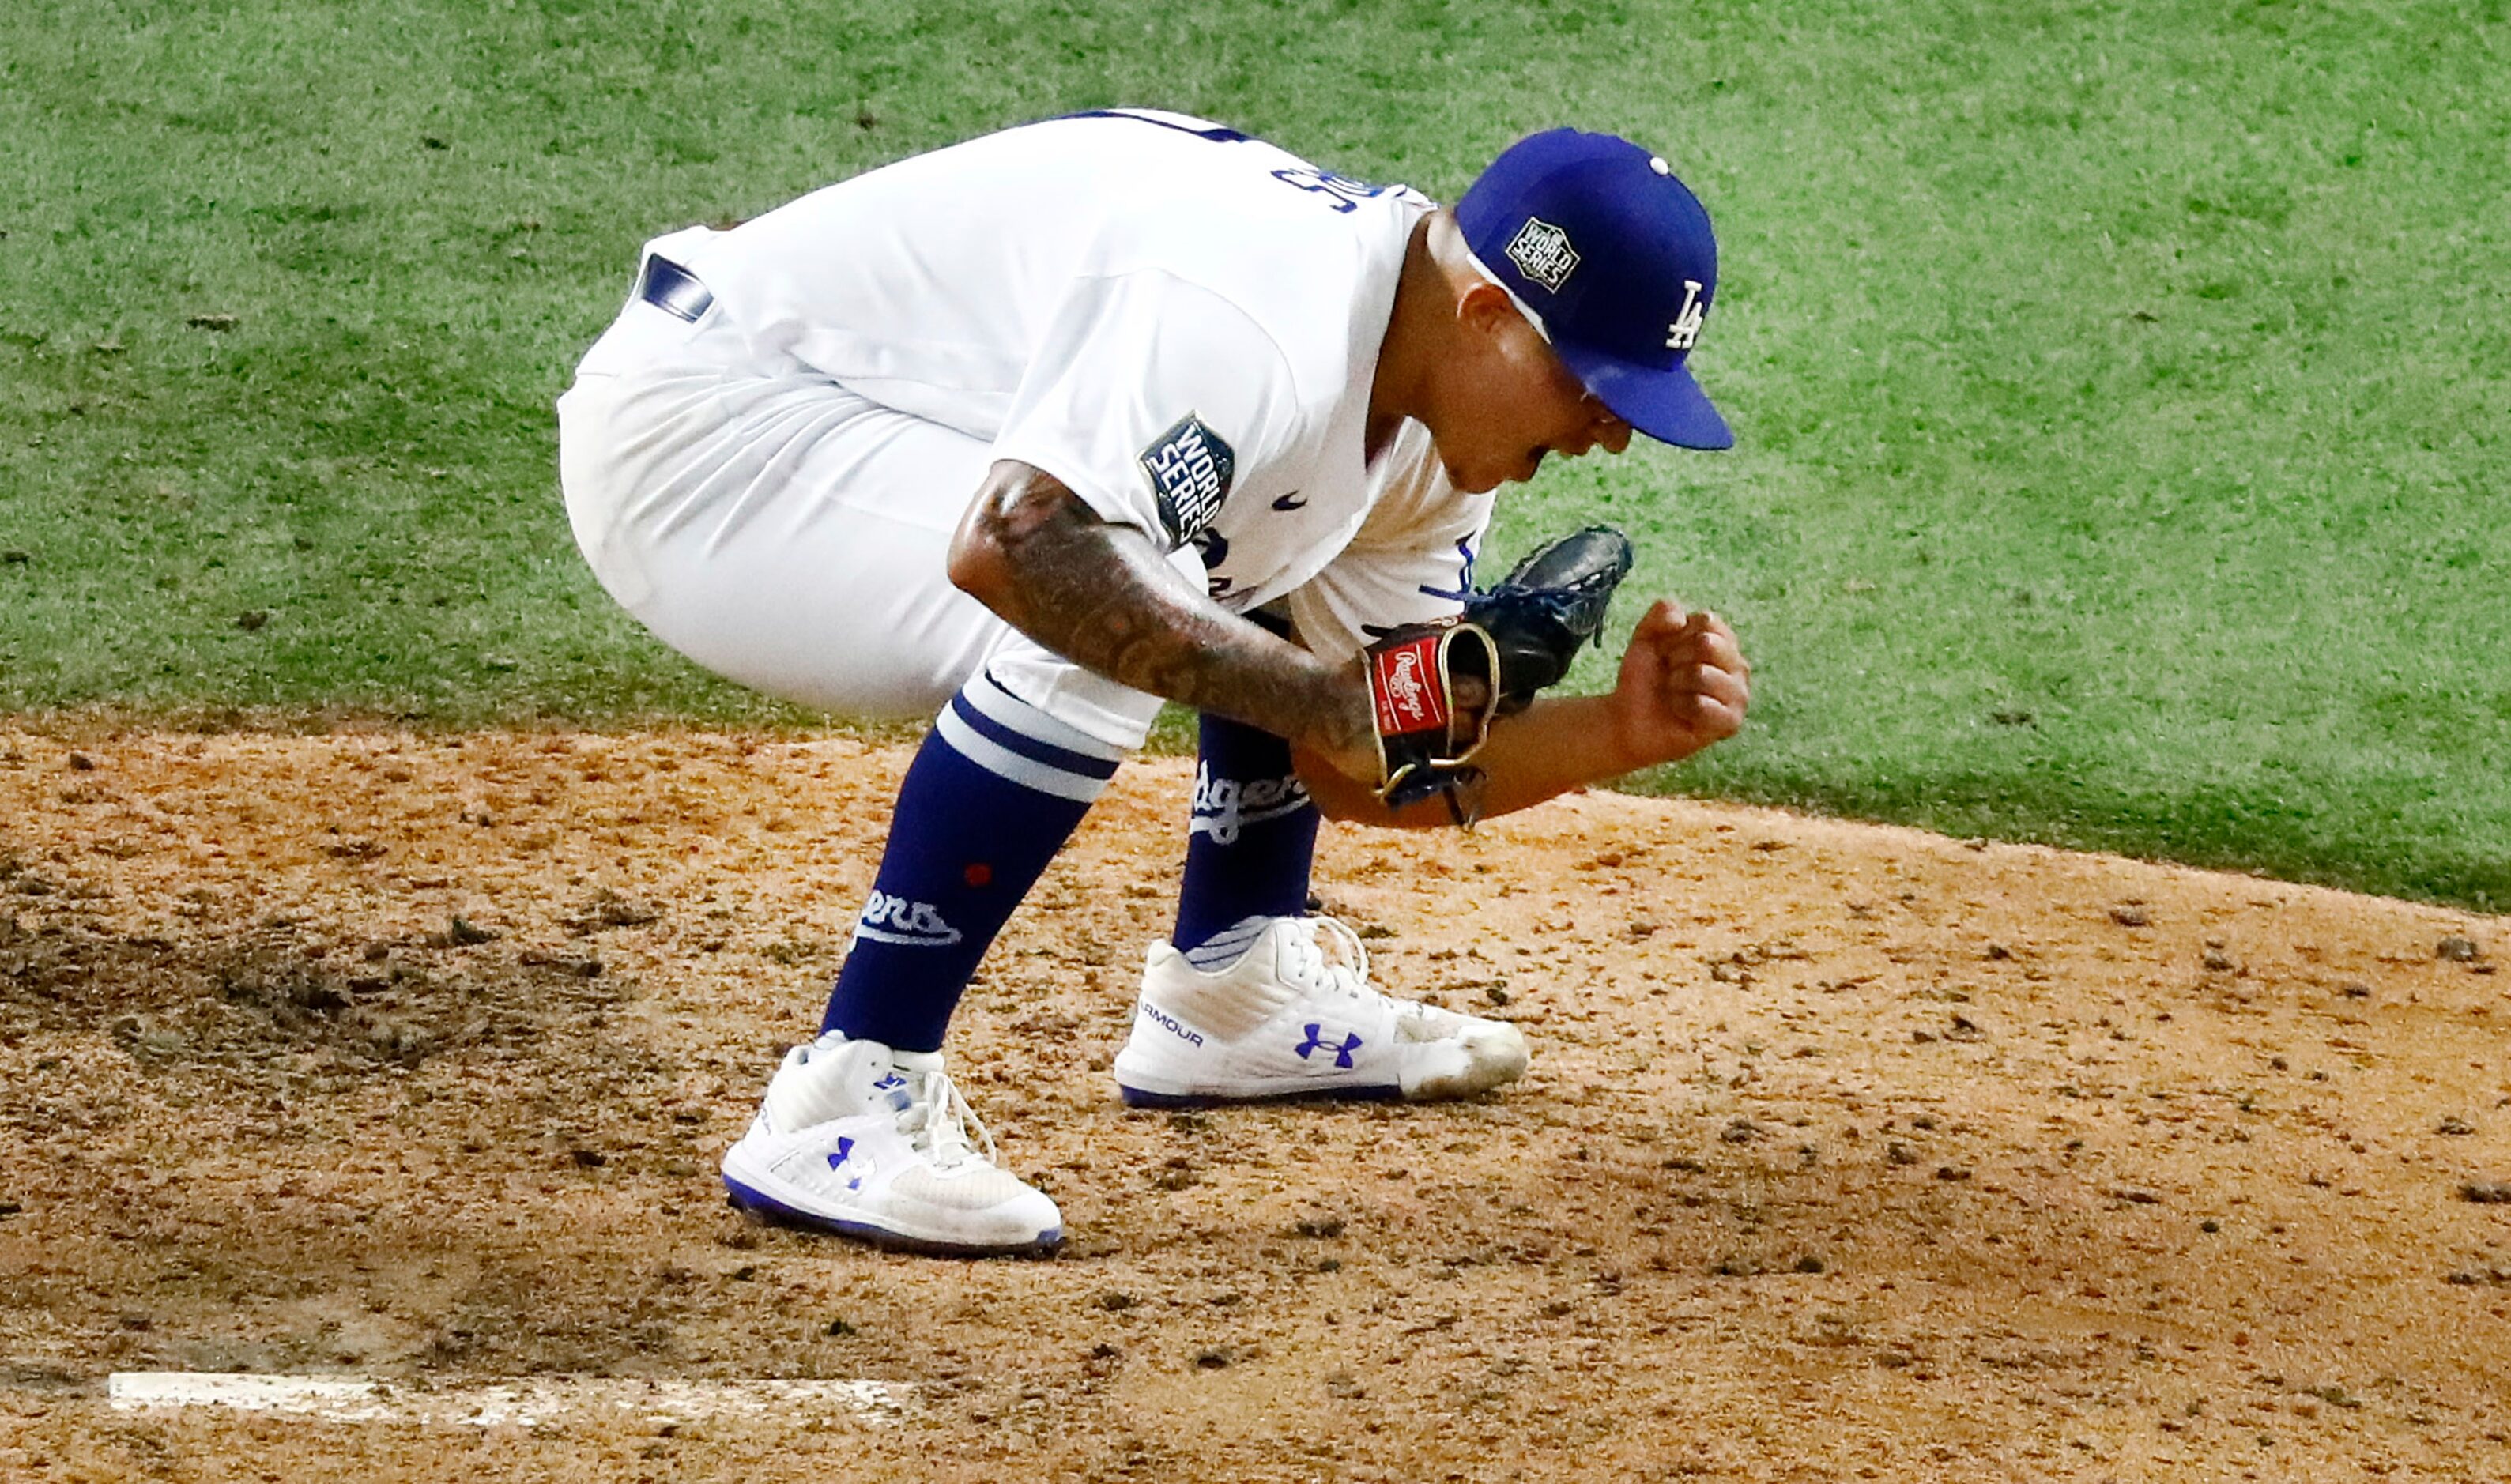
[1485, 309]
[1490, 318]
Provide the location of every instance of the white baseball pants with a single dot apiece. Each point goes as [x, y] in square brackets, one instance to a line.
[791, 536]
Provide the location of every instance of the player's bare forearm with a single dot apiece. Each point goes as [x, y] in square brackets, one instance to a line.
[1101, 596]
[1558, 743]
[1684, 686]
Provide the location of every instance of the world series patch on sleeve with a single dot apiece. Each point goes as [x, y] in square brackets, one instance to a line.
[1190, 468]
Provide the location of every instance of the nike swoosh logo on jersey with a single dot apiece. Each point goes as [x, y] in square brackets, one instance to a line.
[1288, 501]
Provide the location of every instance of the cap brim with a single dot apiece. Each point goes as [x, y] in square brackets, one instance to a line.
[1664, 402]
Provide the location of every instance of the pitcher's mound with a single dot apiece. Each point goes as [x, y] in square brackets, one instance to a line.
[1847, 1152]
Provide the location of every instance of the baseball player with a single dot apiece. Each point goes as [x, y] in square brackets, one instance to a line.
[1035, 431]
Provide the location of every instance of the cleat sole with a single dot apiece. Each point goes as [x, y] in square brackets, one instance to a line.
[769, 1211]
[1144, 1097]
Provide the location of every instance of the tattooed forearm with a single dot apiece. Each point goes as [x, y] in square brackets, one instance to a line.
[1101, 596]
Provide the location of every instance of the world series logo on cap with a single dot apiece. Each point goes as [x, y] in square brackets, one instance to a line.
[1542, 253]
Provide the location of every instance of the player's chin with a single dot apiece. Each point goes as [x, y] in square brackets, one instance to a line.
[1483, 477]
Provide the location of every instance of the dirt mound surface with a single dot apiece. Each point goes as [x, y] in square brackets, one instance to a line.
[1847, 1152]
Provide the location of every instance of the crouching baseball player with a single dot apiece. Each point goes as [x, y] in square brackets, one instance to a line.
[1029, 434]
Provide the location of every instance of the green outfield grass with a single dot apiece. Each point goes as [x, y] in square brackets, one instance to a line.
[2123, 387]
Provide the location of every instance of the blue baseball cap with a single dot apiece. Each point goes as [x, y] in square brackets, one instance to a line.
[1613, 260]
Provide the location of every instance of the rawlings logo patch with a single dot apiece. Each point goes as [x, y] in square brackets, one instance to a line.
[1190, 468]
[1409, 698]
[1542, 253]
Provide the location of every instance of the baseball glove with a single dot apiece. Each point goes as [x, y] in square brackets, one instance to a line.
[1551, 603]
[1438, 686]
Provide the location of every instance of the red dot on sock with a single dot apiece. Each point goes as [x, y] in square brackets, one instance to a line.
[978, 874]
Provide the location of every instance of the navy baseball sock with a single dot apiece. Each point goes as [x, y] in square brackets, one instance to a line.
[1249, 847]
[993, 793]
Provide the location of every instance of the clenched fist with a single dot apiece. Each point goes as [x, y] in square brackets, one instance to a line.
[1683, 685]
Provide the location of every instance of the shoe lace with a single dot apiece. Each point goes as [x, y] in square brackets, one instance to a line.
[938, 1121]
[1345, 969]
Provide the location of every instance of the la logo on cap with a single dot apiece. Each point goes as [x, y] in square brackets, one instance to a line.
[1542, 253]
[1685, 332]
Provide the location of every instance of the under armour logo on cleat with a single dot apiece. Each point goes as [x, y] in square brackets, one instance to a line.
[845, 1151]
[1317, 1042]
[1168, 1023]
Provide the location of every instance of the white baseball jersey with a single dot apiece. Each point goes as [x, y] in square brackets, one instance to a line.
[1178, 322]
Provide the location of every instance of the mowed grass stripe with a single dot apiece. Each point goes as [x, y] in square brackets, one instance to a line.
[2122, 387]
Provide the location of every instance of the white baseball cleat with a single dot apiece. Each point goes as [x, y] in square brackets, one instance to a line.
[871, 1143]
[1295, 1018]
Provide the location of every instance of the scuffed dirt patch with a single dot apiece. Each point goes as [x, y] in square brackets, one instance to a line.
[1848, 1152]
[250, 1002]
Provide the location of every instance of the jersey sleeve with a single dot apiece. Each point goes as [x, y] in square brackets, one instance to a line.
[1410, 562]
[1155, 400]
